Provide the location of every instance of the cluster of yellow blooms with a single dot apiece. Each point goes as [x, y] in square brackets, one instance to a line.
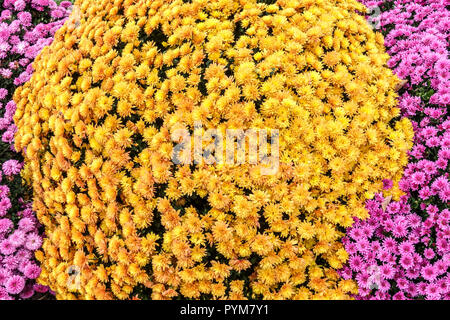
[95, 123]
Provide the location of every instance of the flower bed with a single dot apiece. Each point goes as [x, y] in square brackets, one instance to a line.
[111, 94]
[122, 220]
[403, 250]
[25, 28]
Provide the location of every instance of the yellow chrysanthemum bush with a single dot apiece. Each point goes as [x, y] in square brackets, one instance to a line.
[97, 120]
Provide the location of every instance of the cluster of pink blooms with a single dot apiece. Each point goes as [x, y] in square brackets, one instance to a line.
[403, 250]
[397, 254]
[20, 42]
[17, 245]
[26, 26]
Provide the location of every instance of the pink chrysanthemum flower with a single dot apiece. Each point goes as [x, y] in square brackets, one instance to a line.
[15, 284]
